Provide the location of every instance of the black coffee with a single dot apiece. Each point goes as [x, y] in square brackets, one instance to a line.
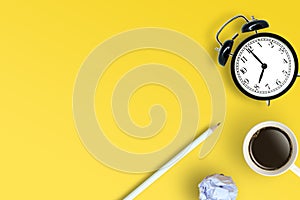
[270, 148]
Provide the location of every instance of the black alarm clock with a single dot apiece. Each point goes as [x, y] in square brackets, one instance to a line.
[264, 66]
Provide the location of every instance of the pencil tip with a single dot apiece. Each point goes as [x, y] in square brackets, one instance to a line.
[216, 126]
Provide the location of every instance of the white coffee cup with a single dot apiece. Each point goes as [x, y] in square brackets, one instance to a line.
[290, 164]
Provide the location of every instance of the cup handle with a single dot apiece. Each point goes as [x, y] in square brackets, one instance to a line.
[295, 169]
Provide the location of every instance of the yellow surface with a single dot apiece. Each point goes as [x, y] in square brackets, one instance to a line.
[42, 47]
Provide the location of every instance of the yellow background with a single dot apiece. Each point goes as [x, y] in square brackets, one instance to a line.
[42, 45]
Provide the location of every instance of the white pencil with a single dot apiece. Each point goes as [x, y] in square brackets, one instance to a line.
[171, 163]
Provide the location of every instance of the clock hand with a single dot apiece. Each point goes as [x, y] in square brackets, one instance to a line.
[255, 56]
[264, 66]
[261, 75]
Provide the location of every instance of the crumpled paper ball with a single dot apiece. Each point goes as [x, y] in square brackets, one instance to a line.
[217, 187]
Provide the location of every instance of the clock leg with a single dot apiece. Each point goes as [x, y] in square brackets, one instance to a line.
[268, 102]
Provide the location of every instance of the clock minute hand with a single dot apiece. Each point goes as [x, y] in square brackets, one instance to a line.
[255, 56]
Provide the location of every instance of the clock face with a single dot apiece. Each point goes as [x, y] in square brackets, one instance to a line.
[264, 66]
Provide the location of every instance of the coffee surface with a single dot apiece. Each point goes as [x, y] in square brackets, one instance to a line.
[270, 148]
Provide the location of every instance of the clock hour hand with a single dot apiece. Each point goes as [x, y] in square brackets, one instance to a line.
[255, 56]
[264, 66]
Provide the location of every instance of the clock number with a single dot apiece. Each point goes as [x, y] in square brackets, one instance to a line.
[249, 50]
[243, 70]
[267, 85]
[278, 82]
[246, 81]
[256, 87]
[259, 44]
[285, 61]
[285, 72]
[281, 50]
[243, 59]
[271, 44]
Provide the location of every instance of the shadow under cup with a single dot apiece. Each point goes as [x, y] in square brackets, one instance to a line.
[270, 148]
